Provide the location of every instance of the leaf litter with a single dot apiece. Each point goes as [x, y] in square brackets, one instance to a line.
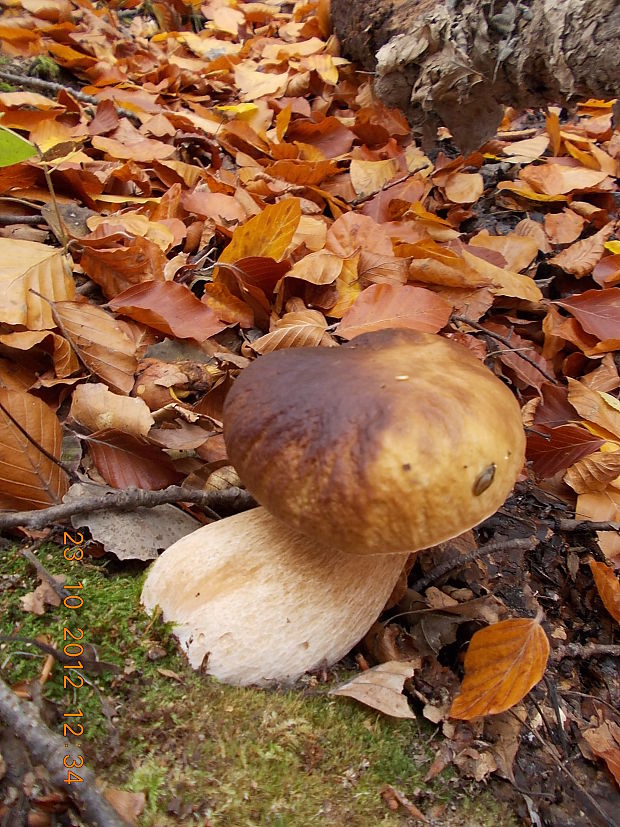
[242, 190]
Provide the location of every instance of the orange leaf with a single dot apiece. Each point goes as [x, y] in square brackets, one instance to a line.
[267, 234]
[169, 307]
[28, 478]
[387, 305]
[563, 227]
[581, 257]
[503, 662]
[608, 587]
[603, 506]
[118, 262]
[464, 187]
[597, 311]
[594, 473]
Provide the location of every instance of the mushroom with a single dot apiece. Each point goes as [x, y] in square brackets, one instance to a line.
[393, 442]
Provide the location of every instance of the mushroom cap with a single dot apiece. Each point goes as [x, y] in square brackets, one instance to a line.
[264, 602]
[395, 441]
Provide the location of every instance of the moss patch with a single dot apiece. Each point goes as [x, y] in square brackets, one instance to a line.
[211, 754]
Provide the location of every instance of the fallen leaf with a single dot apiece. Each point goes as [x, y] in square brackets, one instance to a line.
[604, 741]
[502, 663]
[385, 305]
[44, 595]
[608, 587]
[598, 312]
[381, 688]
[603, 506]
[268, 234]
[556, 449]
[97, 408]
[126, 461]
[581, 257]
[30, 436]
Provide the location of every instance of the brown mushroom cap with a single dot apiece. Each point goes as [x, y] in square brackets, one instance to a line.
[396, 441]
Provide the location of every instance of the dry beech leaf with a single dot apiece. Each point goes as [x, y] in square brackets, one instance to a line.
[595, 472]
[556, 449]
[28, 478]
[100, 342]
[381, 688]
[598, 312]
[65, 360]
[28, 266]
[306, 328]
[369, 177]
[608, 587]
[604, 741]
[603, 506]
[169, 307]
[126, 461]
[503, 662]
[555, 179]
[97, 408]
[581, 257]
[564, 227]
[386, 305]
[519, 251]
[127, 804]
[44, 595]
[268, 234]
[464, 187]
[116, 265]
[601, 409]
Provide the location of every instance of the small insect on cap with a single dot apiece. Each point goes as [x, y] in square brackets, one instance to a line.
[396, 441]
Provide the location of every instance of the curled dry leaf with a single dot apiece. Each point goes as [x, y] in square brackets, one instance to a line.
[28, 477]
[97, 408]
[503, 662]
[604, 741]
[608, 587]
[381, 688]
[581, 257]
[595, 472]
[598, 408]
[603, 506]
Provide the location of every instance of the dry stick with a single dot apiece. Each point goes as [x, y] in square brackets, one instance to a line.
[49, 749]
[506, 342]
[6, 220]
[585, 525]
[51, 88]
[43, 573]
[526, 544]
[587, 650]
[231, 499]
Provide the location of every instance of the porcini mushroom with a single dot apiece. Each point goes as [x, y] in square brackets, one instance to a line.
[393, 442]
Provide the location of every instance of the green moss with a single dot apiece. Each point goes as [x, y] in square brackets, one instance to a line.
[44, 67]
[203, 752]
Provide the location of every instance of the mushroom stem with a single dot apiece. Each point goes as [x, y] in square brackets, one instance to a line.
[256, 602]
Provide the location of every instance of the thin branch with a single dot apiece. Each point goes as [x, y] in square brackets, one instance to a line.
[457, 562]
[28, 554]
[585, 525]
[506, 343]
[6, 220]
[231, 499]
[585, 651]
[49, 749]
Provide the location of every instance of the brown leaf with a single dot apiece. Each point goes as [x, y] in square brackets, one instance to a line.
[464, 187]
[608, 587]
[44, 595]
[116, 264]
[387, 305]
[100, 342]
[126, 461]
[598, 312]
[305, 328]
[28, 478]
[556, 449]
[599, 408]
[604, 741]
[526, 372]
[127, 804]
[170, 308]
[563, 227]
[503, 662]
[581, 257]
[381, 688]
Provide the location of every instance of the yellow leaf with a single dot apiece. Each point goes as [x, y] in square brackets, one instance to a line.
[267, 234]
[613, 247]
[241, 111]
[503, 662]
[369, 177]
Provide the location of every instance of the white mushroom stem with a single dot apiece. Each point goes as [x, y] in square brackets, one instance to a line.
[262, 603]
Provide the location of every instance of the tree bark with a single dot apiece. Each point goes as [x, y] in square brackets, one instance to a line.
[457, 62]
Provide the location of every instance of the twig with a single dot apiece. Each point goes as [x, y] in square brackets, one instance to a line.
[231, 499]
[585, 525]
[43, 573]
[97, 667]
[527, 544]
[50, 88]
[49, 749]
[6, 220]
[506, 343]
[587, 650]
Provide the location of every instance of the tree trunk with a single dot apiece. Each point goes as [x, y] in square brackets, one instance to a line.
[456, 62]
